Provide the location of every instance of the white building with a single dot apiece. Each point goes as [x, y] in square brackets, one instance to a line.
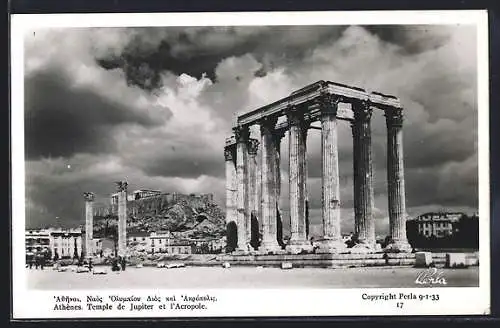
[160, 241]
[63, 242]
[139, 241]
[438, 224]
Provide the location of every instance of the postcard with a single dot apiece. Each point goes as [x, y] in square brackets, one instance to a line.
[250, 164]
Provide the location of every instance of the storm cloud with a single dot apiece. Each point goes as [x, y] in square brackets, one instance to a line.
[154, 105]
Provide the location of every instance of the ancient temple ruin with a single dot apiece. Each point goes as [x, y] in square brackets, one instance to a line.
[253, 186]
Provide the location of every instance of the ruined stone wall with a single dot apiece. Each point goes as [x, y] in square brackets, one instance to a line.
[154, 205]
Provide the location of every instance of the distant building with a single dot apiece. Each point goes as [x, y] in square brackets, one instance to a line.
[145, 193]
[96, 247]
[443, 230]
[179, 247]
[108, 247]
[438, 224]
[63, 242]
[66, 242]
[139, 241]
[38, 240]
[159, 242]
[208, 246]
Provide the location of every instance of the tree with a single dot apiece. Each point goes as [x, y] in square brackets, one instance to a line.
[255, 233]
[75, 251]
[279, 227]
[232, 236]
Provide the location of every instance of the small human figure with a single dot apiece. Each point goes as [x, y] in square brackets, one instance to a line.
[90, 264]
[114, 265]
[42, 261]
[123, 262]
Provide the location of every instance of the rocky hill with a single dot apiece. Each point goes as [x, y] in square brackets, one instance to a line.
[186, 216]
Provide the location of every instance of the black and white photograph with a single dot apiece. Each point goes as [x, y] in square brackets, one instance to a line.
[230, 153]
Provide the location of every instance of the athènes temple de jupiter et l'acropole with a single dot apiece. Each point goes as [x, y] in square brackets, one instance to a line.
[253, 183]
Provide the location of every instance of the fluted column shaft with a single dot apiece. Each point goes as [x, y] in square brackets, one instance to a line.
[395, 178]
[297, 178]
[258, 201]
[363, 174]
[242, 136]
[253, 145]
[89, 222]
[122, 219]
[332, 239]
[278, 135]
[269, 192]
[231, 185]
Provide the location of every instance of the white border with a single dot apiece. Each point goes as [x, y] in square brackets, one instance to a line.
[28, 303]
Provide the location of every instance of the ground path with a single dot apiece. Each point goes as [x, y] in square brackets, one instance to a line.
[244, 277]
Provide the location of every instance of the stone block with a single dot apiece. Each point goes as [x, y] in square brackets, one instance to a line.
[361, 249]
[472, 260]
[456, 260]
[286, 265]
[423, 259]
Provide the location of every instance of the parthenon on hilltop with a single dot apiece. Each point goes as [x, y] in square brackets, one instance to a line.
[253, 183]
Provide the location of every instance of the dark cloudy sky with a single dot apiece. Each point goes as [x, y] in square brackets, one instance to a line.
[153, 106]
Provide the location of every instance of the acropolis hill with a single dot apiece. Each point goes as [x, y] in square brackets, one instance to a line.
[190, 215]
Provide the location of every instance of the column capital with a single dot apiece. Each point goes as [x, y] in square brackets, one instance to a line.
[296, 117]
[121, 185]
[253, 146]
[268, 122]
[394, 117]
[89, 196]
[328, 103]
[229, 153]
[362, 110]
[242, 133]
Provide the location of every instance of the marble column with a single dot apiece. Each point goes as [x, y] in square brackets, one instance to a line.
[395, 179]
[242, 135]
[269, 193]
[332, 238]
[363, 174]
[231, 187]
[89, 223]
[122, 218]
[305, 175]
[278, 135]
[253, 145]
[298, 188]
[258, 201]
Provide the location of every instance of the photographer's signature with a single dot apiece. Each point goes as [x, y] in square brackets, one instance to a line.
[431, 276]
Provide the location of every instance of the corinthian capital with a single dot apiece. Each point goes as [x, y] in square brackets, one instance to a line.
[121, 185]
[229, 153]
[328, 103]
[362, 110]
[253, 146]
[394, 117]
[269, 123]
[89, 196]
[241, 133]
